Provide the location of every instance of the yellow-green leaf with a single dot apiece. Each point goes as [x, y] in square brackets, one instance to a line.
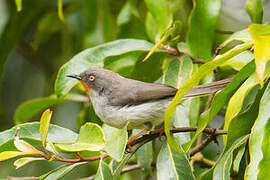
[202, 71]
[19, 5]
[260, 34]
[44, 125]
[25, 146]
[91, 138]
[12, 154]
[60, 11]
[23, 161]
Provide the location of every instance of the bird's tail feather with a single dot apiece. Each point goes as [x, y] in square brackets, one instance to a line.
[206, 89]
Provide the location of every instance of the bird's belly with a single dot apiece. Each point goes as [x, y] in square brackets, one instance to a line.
[135, 115]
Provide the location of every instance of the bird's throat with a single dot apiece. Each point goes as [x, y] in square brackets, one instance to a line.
[86, 86]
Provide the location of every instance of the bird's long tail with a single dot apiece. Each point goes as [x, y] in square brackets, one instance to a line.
[206, 89]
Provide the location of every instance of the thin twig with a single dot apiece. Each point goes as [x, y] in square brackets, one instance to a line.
[175, 52]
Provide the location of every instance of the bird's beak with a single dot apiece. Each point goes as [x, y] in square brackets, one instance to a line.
[74, 76]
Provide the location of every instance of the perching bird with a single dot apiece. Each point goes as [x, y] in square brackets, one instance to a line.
[118, 100]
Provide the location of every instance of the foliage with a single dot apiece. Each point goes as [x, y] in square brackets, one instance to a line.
[171, 42]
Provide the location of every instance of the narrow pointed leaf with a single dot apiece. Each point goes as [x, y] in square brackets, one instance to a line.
[259, 139]
[261, 36]
[202, 27]
[44, 125]
[12, 154]
[172, 165]
[196, 77]
[23, 161]
[60, 11]
[104, 172]
[255, 10]
[59, 172]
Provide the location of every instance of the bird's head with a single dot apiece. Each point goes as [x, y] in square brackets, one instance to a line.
[96, 79]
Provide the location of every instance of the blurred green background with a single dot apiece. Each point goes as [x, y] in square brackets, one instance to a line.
[35, 43]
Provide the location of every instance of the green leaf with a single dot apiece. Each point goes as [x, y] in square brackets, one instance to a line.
[261, 36]
[91, 138]
[255, 10]
[59, 172]
[19, 5]
[202, 27]
[196, 77]
[30, 131]
[93, 57]
[104, 172]
[172, 165]
[161, 14]
[241, 125]
[30, 108]
[23, 161]
[224, 163]
[177, 73]
[240, 60]
[118, 166]
[221, 169]
[236, 101]
[116, 140]
[60, 11]
[44, 125]
[259, 139]
[12, 154]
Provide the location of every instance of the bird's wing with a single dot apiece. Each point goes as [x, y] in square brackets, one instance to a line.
[153, 91]
[136, 95]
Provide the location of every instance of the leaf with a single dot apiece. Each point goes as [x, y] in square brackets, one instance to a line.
[255, 10]
[30, 108]
[198, 75]
[177, 73]
[241, 125]
[224, 163]
[59, 172]
[116, 140]
[261, 37]
[239, 61]
[220, 100]
[202, 27]
[93, 57]
[236, 101]
[60, 10]
[172, 165]
[161, 14]
[104, 172]
[23, 146]
[23, 161]
[44, 125]
[19, 5]
[118, 166]
[30, 131]
[12, 154]
[91, 138]
[259, 140]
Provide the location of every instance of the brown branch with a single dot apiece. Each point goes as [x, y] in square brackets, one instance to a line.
[175, 52]
[149, 137]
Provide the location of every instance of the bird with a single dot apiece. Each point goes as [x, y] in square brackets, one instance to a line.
[118, 101]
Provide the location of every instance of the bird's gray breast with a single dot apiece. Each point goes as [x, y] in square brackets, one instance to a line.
[136, 114]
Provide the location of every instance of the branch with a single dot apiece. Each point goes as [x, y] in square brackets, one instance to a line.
[149, 137]
[175, 52]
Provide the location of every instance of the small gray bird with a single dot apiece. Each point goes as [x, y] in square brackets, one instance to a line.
[118, 100]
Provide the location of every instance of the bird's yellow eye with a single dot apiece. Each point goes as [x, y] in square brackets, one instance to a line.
[91, 77]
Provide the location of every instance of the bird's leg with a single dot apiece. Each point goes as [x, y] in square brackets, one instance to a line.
[132, 139]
